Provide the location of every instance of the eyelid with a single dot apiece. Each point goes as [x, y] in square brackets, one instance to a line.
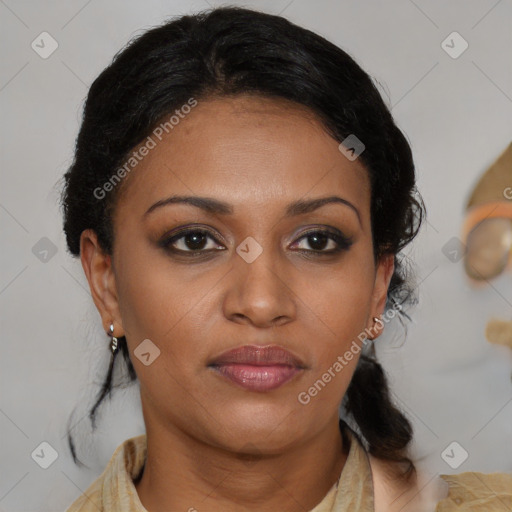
[343, 241]
[187, 228]
[173, 236]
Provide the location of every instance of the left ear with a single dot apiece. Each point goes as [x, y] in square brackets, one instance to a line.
[383, 274]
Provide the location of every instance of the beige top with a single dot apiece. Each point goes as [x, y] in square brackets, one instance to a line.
[114, 490]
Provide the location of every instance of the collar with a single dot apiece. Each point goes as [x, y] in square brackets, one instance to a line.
[115, 491]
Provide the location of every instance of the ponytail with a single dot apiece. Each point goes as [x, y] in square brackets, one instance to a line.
[384, 428]
[106, 390]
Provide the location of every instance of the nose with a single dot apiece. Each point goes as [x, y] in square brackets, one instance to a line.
[259, 293]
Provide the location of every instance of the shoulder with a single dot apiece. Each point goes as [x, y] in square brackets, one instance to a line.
[420, 494]
[116, 479]
[477, 491]
[442, 493]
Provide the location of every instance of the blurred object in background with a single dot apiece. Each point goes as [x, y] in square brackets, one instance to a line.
[499, 332]
[487, 233]
[487, 230]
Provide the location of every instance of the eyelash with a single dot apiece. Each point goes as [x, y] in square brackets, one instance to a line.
[343, 242]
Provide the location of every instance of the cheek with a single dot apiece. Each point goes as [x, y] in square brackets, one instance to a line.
[342, 296]
[166, 304]
[341, 304]
[341, 307]
[150, 297]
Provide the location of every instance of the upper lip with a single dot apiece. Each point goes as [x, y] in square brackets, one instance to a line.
[258, 355]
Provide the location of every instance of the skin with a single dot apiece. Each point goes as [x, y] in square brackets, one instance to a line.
[259, 155]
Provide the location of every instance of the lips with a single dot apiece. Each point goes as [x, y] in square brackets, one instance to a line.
[258, 368]
[259, 356]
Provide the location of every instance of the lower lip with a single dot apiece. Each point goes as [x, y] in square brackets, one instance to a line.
[257, 378]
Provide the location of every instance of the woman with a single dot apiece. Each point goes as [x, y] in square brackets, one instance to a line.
[239, 198]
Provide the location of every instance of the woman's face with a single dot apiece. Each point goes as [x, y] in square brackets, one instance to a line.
[250, 276]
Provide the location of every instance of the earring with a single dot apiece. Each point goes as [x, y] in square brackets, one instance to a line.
[376, 320]
[372, 351]
[113, 341]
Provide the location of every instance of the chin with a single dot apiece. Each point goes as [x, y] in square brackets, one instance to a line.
[268, 430]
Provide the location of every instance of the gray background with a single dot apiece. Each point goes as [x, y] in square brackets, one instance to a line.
[457, 114]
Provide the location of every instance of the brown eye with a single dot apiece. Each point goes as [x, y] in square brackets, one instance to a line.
[190, 240]
[320, 240]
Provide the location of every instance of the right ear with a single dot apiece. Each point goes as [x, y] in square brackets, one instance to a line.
[98, 269]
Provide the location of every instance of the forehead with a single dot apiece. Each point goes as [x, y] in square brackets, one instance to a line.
[246, 150]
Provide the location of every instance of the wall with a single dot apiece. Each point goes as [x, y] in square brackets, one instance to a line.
[457, 114]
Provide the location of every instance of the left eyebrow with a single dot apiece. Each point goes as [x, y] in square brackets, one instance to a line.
[306, 206]
[214, 206]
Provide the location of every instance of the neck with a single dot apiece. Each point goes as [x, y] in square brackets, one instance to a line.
[183, 473]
